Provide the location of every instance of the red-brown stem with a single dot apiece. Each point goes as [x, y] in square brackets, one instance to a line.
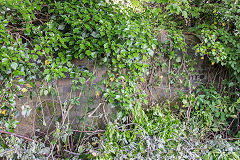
[17, 135]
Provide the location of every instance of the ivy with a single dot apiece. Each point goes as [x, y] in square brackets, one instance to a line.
[40, 40]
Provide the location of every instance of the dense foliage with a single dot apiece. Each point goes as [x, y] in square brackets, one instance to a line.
[40, 40]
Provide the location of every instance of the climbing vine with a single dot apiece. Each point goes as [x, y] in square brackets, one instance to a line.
[41, 41]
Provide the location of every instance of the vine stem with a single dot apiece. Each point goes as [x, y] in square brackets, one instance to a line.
[86, 109]
[89, 131]
[17, 135]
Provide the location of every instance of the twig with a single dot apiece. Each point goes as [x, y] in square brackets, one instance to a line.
[17, 135]
[169, 71]
[27, 40]
[97, 131]
[104, 113]
[188, 112]
[73, 153]
[90, 115]
[89, 131]
[232, 121]
[51, 154]
[59, 97]
[231, 139]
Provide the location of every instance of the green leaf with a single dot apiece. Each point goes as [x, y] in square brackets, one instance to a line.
[82, 46]
[184, 14]
[48, 77]
[82, 80]
[5, 61]
[178, 59]
[145, 101]
[142, 79]
[61, 27]
[215, 129]
[88, 52]
[46, 71]
[35, 57]
[65, 69]
[111, 100]
[14, 65]
[184, 101]
[150, 52]
[47, 50]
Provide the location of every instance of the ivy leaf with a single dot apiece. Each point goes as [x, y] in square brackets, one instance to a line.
[145, 101]
[35, 57]
[5, 61]
[184, 14]
[215, 129]
[46, 92]
[46, 71]
[82, 46]
[61, 27]
[178, 59]
[151, 52]
[142, 79]
[88, 52]
[48, 77]
[94, 34]
[117, 97]
[47, 50]
[14, 65]
[184, 102]
[82, 80]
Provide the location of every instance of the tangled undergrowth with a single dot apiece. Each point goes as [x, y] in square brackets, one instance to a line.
[40, 40]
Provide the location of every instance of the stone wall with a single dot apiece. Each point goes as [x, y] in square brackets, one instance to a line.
[52, 108]
[94, 118]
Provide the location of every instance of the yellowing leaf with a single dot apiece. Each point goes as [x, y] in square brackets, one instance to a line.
[47, 62]
[97, 94]
[28, 86]
[24, 90]
[111, 79]
[124, 84]
[215, 22]
[180, 81]
[202, 57]
[3, 112]
[223, 24]
[213, 63]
